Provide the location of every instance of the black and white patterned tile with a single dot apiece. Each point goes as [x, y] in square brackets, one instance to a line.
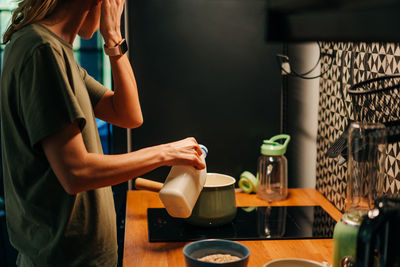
[353, 63]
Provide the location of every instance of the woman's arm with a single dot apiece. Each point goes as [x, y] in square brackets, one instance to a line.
[120, 107]
[77, 170]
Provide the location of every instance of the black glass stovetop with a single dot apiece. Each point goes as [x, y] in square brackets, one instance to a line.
[250, 223]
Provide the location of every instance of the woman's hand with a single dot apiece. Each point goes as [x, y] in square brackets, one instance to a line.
[110, 21]
[120, 107]
[184, 152]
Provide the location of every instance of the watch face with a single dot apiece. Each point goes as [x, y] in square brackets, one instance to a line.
[124, 47]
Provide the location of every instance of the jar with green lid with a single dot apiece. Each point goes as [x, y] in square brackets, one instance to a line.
[272, 169]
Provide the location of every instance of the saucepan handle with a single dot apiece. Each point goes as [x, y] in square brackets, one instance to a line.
[149, 185]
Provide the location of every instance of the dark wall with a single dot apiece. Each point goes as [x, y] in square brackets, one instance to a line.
[205, 70]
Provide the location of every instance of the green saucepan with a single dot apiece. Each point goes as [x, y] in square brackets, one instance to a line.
[216, 204]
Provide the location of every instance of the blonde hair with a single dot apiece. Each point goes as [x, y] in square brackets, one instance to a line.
[27, 12]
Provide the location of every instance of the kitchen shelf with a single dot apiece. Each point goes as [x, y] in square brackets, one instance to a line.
[323, 20]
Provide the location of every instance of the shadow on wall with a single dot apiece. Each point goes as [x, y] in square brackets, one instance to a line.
[300, 112]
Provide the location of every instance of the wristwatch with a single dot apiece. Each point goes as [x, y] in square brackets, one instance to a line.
[118, 50]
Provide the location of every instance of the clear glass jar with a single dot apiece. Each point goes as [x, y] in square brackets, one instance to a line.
[272, 170]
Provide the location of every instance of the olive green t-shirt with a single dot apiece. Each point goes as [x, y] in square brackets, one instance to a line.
[42, 90]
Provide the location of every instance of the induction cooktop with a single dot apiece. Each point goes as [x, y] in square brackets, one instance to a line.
[250, 223]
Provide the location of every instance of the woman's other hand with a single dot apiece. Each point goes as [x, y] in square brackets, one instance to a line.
[120, 107]
[184, 152]
[110, 21]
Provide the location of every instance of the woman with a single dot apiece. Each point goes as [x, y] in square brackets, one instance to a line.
[59, 203]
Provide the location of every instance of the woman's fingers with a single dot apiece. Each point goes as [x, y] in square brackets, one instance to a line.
[110, 22]
[186, 152]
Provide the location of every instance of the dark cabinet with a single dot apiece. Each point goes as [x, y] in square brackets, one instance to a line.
[333, 20]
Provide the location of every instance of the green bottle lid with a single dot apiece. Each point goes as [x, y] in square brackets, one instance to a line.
[272, 148]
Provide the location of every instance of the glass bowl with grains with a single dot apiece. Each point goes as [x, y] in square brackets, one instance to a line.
[216, 252]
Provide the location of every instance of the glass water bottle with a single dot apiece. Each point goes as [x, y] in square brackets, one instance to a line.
[272, 169]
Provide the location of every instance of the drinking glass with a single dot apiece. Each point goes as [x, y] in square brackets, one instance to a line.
[365, 164]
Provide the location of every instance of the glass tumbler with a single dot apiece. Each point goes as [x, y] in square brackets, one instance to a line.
[365, 165]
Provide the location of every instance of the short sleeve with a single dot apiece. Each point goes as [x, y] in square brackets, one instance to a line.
[95, 89]
[47, 101]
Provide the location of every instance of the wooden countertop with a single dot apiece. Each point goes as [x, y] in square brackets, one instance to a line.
[138, 251]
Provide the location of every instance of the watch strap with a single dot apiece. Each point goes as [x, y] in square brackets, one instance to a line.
[118, 50]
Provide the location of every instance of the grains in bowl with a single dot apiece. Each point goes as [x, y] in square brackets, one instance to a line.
[219, 258]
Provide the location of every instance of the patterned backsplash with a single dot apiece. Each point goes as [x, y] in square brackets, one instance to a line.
[352, 63]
